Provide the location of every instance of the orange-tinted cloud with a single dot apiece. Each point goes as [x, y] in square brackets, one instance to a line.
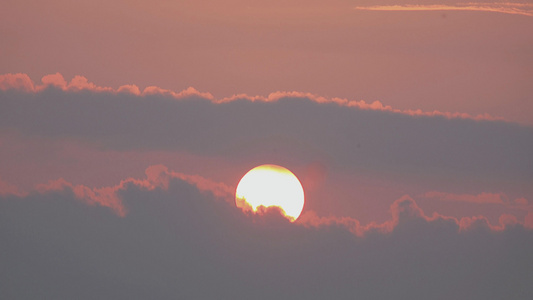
[105, 196]
[360, 104]
[157, 176]
[528, 222]
[403, 210]
[22, 82]
[524, 9]
[18, 81]
[521, 201]
[10, 189]
[57, 80]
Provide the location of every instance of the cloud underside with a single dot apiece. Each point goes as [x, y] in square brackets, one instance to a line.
[505, 8]
[350, 136]
[180, 237]
[23, 82]
[158, 177]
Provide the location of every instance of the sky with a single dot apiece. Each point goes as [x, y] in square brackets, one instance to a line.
[125, 127]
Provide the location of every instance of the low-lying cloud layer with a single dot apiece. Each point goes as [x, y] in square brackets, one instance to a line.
[181, 241]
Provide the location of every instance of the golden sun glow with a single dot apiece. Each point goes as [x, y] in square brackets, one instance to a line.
[271, 185]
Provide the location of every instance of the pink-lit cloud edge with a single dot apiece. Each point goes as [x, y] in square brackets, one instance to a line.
[23, 82]
[158, 177]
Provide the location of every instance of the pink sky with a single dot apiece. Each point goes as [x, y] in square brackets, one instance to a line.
[125, 127]
[458, 61]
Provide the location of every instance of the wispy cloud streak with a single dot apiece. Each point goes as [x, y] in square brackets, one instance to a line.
[505, 8]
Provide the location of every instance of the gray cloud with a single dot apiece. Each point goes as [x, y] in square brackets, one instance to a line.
[179, 242]
[344, 137]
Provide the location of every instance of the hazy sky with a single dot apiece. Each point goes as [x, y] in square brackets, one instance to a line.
[125, 127]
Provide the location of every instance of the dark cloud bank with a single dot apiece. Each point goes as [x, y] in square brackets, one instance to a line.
[345, 138]
[182, 243]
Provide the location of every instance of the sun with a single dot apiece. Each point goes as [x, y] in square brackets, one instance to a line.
[271, 185]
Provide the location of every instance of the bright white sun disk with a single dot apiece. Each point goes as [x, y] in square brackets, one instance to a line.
[271, 185]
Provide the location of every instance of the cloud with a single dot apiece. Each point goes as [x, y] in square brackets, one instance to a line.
[347, 135]
[349, 55]
[78, 83]
[157, 176]
[17, 81]
[480, 198]
[521, 201]
[525, 9]
[180, 241]
[529, 220]
[483, 198]
[9, 189]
